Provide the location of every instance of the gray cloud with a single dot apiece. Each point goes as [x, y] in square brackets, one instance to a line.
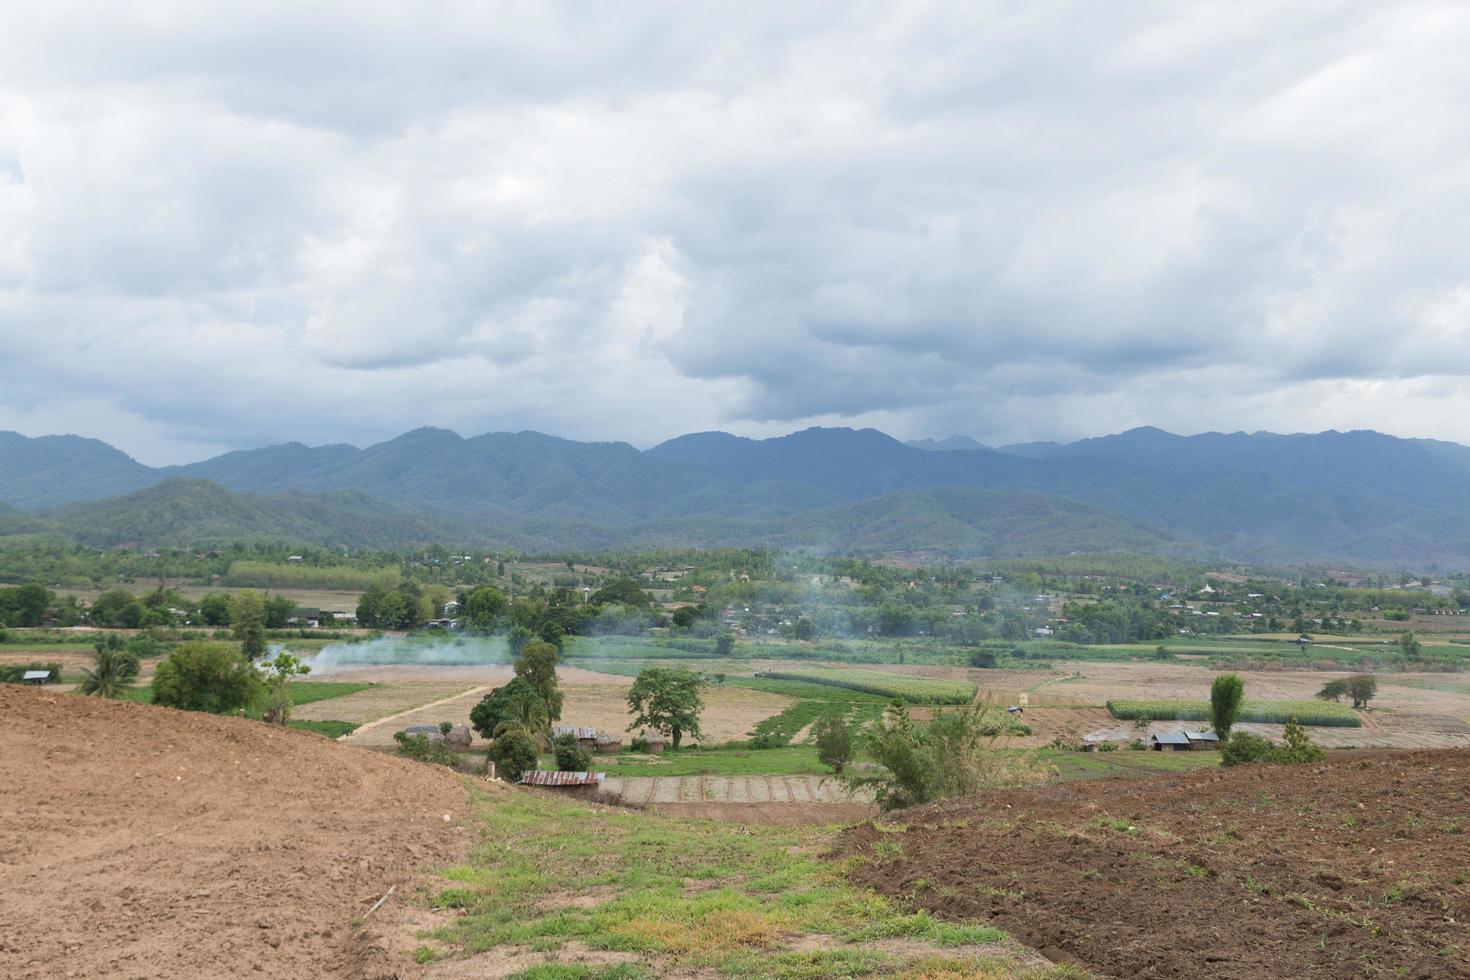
[234, 226]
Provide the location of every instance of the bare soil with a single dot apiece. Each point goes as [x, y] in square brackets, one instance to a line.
[141, 841]
[1355, 867]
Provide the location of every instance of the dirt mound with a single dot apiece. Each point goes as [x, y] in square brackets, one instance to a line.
[140, 841]
[1356, 867]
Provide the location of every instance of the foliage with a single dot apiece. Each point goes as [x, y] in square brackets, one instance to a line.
[536, 665]
[484, 607]
[514, 754]
[667, 699]
[247, 622]
[13, 673]
[418, 746]
[1227, 694]
[915, 690]
[1362, 688]
[1243, 747]
[570, 756]
[950, 756]
[115, 670]
[516, 704]
[1265, 712]
[834, 742]
[1298, 748]
[276, 706]
[24, 605]
[1333, 690]
[206, 676]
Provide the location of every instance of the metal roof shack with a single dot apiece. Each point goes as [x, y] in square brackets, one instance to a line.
[36, 676]
[580, 783]
[581, 733]
[1203, 740]
[1169, 742]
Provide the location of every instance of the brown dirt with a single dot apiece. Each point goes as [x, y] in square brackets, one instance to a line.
[772, 814]
[1355, 867]
[141, 841]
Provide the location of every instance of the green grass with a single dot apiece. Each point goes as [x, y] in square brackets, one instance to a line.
[1266, 712]
[302, 692]
[791, 760]
[331, 729]
[917, 690]
[679, 896]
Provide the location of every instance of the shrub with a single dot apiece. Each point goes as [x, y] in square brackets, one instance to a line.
[514, 754]
[417, 746]
[445, 727]
[13, 673]
[113, 673]
[570, 756]
[210, 677]
[1298, 748]
[1243, 747]
[834, 742]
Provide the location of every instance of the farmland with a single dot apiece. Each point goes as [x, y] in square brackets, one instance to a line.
[1326, 713]
[916, 690]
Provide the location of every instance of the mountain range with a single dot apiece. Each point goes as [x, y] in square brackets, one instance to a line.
[1360, 497]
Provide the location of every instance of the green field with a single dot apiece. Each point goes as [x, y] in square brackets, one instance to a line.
[916, 690]
[1328, 713]
[685, 898]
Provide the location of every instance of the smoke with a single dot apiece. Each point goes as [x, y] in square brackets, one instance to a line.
[459, 651]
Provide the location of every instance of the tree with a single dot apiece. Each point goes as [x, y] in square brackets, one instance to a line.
[214, 609]
[1298, 749]
[514, 754]
[667, 700]
[1333, 690]
[114, 672]
[247, 622]
[685, 616]
[724, 645]
[570, 756]
[276, 709]
[1362, 688]
[1227, 694]
[834, 742]
[1409, 645]
[537, 666]
[625, 591]
[803, 629]
[516, 704]
[25, 605]
[117, 607]
[210, 677]
[278, 609]
[483, 607]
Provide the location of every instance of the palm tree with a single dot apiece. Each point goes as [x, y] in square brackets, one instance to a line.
[114, 673]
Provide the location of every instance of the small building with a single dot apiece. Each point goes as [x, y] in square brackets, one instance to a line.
[608, 745]
[1169, 742]
[585, 736]
[36, 677]
[570, 783]
[1203, 740]
[653, 743]
[451, 608]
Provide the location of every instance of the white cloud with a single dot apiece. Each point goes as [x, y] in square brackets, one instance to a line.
[247, 224]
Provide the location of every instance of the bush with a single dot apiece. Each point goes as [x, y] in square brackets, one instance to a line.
[1298, 748]
[570, 756]
[417, 746]
[1243, 747]
[210, 677]
[13, 673]
[834, 742]
[1227, 694]
[514, 754]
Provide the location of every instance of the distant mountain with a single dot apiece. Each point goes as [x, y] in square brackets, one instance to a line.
[1351, 496]
[193, 513]
[52, 470]
[948, 444]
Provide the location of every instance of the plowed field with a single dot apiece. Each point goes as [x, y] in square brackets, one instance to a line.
[1355, 867]
[138, 841]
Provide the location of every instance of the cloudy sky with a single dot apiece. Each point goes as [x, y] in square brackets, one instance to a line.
[234, 224]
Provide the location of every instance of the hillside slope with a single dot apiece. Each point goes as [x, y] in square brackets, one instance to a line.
[142, 841]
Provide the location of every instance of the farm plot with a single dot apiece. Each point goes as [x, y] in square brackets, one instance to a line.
[1327, 713]
[917, 690]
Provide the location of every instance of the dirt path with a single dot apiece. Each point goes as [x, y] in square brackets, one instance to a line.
[369, 733]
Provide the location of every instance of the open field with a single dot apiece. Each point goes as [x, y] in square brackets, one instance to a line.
[199, 846]
[1355, 867]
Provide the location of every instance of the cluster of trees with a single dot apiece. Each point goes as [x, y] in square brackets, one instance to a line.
[24, 605]
[513, 716]
[1362, 688]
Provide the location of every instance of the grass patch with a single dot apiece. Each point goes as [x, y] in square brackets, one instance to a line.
[1265, 712]
[916, 690]
[692, 894]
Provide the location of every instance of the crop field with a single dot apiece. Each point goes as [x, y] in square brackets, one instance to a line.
[1327, 713]
[916, 690]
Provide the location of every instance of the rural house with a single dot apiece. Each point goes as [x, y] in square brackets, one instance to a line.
[1169, 742]
[571, 783]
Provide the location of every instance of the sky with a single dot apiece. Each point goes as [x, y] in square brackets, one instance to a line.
[230, 225]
